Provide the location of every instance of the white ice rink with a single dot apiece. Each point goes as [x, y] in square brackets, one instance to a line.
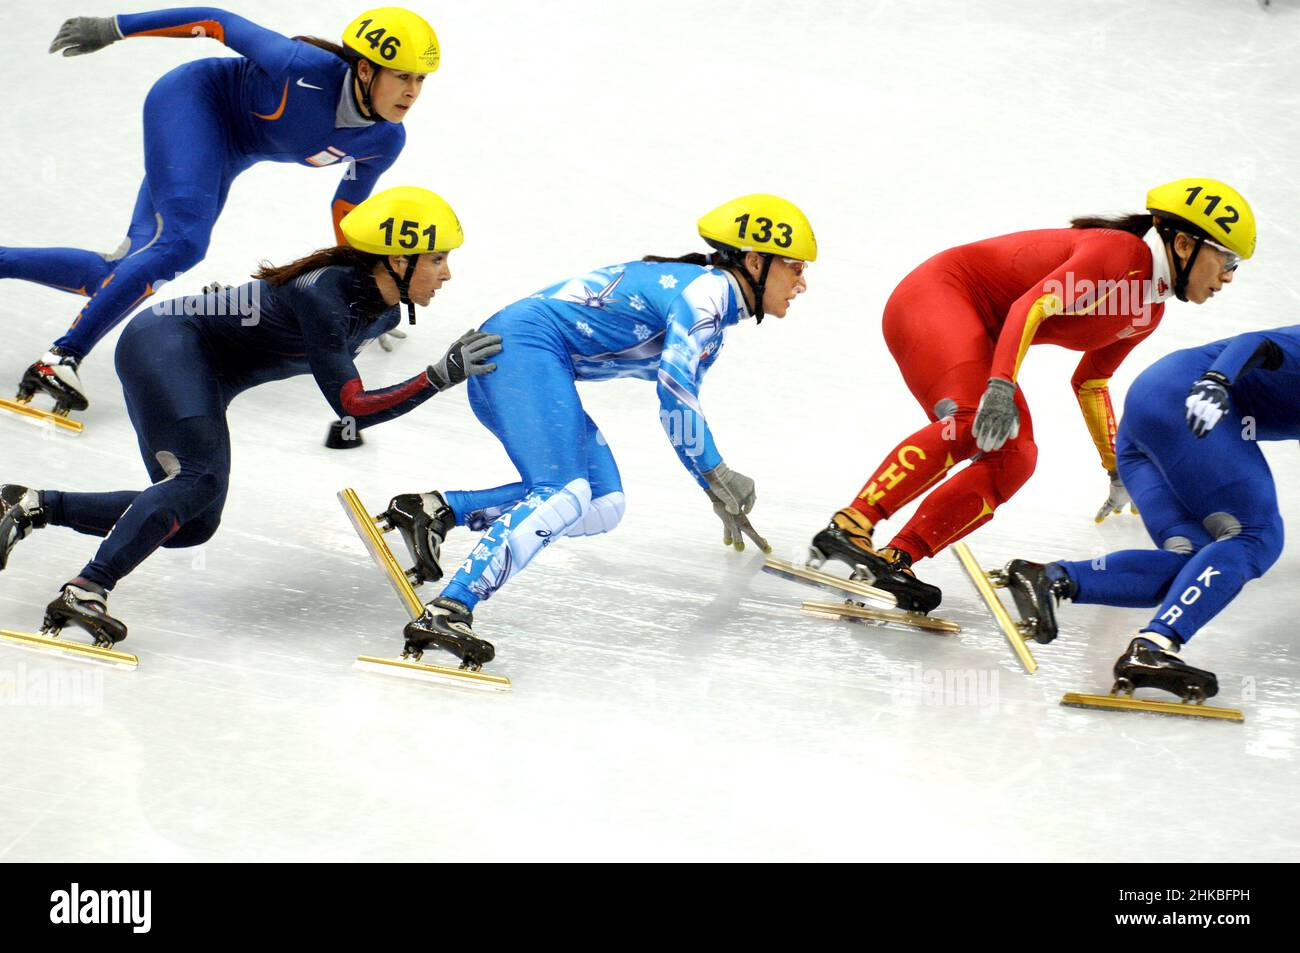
[669, 699]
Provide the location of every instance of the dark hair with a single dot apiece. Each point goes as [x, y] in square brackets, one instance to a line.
[694, 258]
[1137, 224]
[342, 52]
[276, 275]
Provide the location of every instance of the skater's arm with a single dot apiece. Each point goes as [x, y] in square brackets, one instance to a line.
[339, 380]
[325, 320]
[1257, 349]
[1091, 383]
[362, 172]
[694, 320]
[1090, 282]
[268, 49]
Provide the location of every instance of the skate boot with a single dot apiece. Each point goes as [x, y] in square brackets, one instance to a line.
[55, 374]
[424, 520]
[848, 539]
[84, 605]
[1037, 590]
[1151, 661]
[20, 513]
[446, 624]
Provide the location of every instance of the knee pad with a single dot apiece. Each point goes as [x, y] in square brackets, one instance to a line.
[603, 515]
[1178, 544]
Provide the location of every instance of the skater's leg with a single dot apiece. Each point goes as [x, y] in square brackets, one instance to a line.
[1141, 577]
[94, 514]
[479, 509]
[188, 169]
[944, 352]
[77, 270]
[531, 404]
[195, 453]
[607, 501]
[1233, 487]
[179, 414]
[966, 501]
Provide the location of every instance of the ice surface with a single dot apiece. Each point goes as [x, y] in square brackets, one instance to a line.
[669, 701]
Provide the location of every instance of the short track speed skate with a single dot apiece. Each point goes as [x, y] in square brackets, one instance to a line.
[55, 375]
[847, 538]
[1017, 633]
[856, 606]
[1148, 664]
[85, 607]
[371, 529]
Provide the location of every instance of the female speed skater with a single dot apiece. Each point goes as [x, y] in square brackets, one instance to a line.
[1192, 462]
[182, 362]
[299, 100]
[959, 327]
[660, 319]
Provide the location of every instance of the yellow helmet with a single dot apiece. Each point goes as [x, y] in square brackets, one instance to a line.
[761, 223]
[394, 38]
[1207, 209]
[405, 220]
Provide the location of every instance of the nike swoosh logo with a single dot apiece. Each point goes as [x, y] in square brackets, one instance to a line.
[307, 85]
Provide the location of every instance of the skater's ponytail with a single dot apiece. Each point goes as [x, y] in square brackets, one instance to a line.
[694, 258]
[342, 52]
[276, 275]
[1137, 225]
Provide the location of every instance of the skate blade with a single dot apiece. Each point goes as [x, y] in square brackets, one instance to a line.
[78, 650]
[980, 579]
[373, 539]
[824, 580]
[1124, 703]
[911, 620]
[40, 418]
[424, 672]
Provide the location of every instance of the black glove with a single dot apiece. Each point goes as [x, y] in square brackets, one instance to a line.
[465, 359]
[1207, 402]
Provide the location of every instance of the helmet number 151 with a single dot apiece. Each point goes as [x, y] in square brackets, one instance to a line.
[408, 233]
[763, 231]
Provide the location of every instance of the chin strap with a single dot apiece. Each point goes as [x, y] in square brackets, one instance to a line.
[366, 102]
[756, 287]
[1182, 271]
[403, 283]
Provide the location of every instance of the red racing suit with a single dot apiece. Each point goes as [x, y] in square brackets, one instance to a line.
[971, 313]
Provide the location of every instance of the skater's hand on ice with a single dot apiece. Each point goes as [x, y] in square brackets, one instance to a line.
[390, 340]
[736, 526]
[1116, 499]
[85, 35]
[733, 495]
[996, 420]
[1207, 402]
[733, 490]
[465, 359]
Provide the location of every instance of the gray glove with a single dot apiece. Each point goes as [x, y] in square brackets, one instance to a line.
[85, 35]
[996, 420]
[1117, 498]
[465, 359]
[390, 340]
[733, 496]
